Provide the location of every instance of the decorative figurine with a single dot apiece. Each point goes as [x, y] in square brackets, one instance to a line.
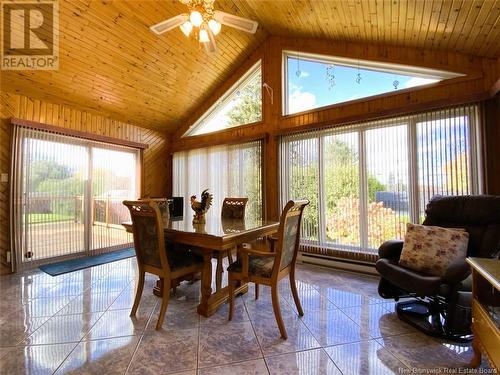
[201, 208]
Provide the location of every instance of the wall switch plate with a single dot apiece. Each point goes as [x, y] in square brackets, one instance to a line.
[4, 177]
[8, 256]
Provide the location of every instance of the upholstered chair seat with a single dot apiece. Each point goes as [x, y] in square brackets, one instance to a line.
[257, 266]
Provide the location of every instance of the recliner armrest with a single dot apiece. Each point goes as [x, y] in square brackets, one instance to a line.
[391, 249]
[456, 272]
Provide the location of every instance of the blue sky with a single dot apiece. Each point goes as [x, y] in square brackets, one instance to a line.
[308, 86]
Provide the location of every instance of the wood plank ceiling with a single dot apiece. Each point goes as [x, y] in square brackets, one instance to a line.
[111, 63]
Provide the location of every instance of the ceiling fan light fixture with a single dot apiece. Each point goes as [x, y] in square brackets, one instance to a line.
[202, 22]
[204, 36]
[196, 18]
[186, 28]
[214, 26]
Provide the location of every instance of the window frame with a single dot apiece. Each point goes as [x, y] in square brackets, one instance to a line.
[355, 63]
[225, 98]
[476, 182]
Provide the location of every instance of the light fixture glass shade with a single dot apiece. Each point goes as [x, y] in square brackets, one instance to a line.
[196, 18]
[204, 36]
[214, 26]
[186, 28]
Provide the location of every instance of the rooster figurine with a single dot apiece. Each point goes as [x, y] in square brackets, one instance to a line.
[200, 208]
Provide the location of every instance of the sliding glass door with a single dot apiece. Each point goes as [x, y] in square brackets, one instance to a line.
[67, 195]
[53, 186]
[114, 179]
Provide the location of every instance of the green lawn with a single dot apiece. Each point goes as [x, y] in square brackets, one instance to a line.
[48, 218]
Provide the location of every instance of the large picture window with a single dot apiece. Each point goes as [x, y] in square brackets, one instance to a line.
[228, 171]
[366, 181]
[241, 105]
[314, 81]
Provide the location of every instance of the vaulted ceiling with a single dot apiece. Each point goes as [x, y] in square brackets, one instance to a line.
[112, 63]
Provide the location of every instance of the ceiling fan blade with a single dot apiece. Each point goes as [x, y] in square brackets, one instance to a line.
[169, 24]
[239, 23]
[210, 46]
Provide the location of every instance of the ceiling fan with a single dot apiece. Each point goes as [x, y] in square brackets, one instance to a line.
[205, 22]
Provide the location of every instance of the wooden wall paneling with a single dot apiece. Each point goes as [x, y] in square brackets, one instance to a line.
[10, 106]
[235, 135]
[156, 175]
[272, 70]
[426, 58]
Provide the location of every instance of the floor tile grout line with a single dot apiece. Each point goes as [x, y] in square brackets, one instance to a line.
[48, 319]
[127, 369]
[93, 325]
[331, 359]
[198, 347]
[140, 339]
[255, 333]
[78, 343]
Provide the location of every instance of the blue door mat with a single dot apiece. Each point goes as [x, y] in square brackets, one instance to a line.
[71, 265]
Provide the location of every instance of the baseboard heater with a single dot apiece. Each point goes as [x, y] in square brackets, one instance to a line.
[337, 263]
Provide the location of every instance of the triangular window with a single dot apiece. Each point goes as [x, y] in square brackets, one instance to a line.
[240, 105]
[314, 81]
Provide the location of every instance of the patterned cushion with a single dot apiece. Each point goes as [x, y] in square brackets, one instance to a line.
[431, 250]
[257, 265]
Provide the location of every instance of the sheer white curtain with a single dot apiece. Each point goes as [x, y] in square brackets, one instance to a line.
[227, 171]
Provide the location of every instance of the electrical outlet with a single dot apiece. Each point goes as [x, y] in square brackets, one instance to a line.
[8, 256]
[246, 245]
[4, 177]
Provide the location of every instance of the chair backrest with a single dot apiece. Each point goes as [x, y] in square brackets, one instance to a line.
[478, 214]
[147, 227]
[289, 233]
[162, 206]
[234, 208]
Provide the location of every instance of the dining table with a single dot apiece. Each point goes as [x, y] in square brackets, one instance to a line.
[216, 234]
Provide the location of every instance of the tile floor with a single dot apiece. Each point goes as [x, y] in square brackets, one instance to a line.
[79, 323]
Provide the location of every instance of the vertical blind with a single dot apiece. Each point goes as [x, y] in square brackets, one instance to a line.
[227, 171]
[67, 195]
[366, 181]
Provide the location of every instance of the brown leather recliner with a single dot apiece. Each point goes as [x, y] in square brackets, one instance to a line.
[441, 305]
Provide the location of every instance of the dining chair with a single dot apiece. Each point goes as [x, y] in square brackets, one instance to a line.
[232, 208]
[262, 266]
[152, 255]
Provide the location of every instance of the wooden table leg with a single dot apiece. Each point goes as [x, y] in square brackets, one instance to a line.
[476, 359]
[218, 271]
[206, 284]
